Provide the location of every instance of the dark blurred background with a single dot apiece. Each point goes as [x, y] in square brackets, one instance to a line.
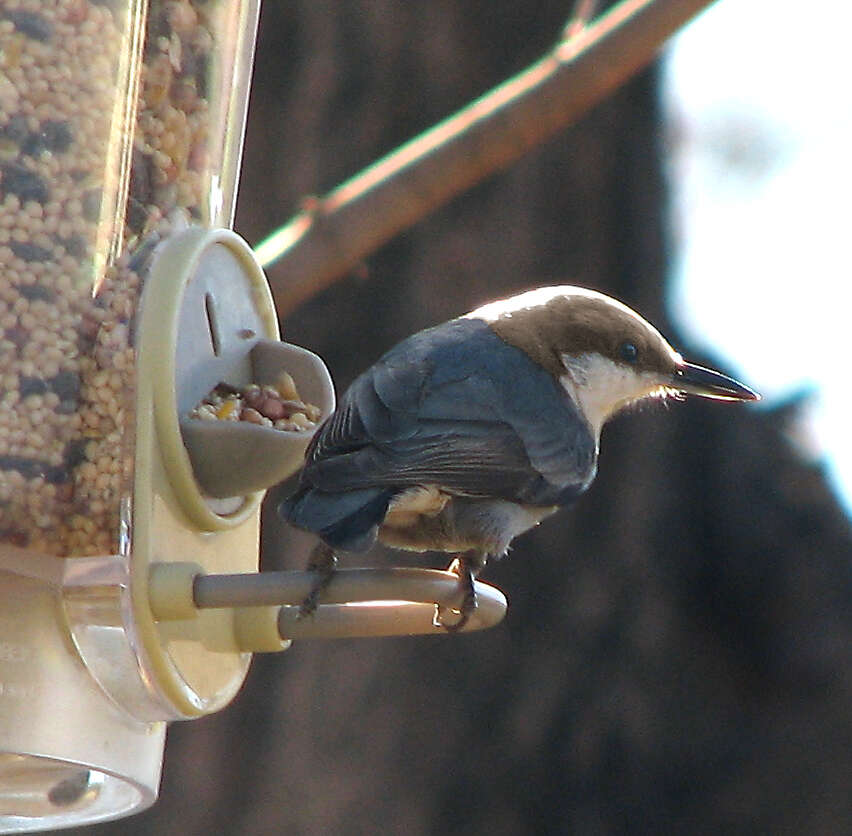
[677, 654]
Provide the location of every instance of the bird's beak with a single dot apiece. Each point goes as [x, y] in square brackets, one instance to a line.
[696, 380]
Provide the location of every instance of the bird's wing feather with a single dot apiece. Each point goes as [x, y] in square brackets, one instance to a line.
[457, 407]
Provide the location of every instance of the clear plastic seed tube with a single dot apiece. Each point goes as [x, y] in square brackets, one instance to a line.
[121, 121]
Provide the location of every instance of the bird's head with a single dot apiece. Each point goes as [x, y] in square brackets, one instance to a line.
[601, 351]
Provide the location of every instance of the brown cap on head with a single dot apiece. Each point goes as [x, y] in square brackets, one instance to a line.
[551, 321]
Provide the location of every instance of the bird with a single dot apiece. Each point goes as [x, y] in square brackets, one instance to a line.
[467, 434]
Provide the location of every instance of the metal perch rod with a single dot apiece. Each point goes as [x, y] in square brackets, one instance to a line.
[395, 601]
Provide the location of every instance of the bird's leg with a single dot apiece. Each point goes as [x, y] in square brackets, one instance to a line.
[467, 566]
[323, 561]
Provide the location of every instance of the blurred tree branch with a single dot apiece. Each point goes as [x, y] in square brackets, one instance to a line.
[333, 233]
[584, 11]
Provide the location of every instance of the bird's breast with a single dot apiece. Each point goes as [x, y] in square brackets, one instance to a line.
[428, 519]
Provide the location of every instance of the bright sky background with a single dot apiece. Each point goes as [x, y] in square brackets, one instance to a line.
[760, 97]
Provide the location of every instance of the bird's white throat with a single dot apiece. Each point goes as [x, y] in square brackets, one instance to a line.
[601, 387]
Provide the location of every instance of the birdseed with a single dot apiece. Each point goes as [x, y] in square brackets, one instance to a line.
[278, 406]
[75, 242]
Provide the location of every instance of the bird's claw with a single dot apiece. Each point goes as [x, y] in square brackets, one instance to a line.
[310, 603]
[463, 614]
[469, 604]
[323, 562]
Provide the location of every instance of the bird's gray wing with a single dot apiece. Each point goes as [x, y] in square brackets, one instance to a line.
[455, 407]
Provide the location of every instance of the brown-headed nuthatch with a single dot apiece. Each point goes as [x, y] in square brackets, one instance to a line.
[467, 434]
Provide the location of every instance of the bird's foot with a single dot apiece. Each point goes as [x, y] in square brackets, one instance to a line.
[463, 612]
[323, 562]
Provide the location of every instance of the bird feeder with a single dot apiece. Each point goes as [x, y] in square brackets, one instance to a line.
[129, 595]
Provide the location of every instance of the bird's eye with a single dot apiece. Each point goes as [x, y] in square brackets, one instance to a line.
[628, 351]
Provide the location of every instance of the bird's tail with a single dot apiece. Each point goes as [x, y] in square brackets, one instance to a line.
[348, 521]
